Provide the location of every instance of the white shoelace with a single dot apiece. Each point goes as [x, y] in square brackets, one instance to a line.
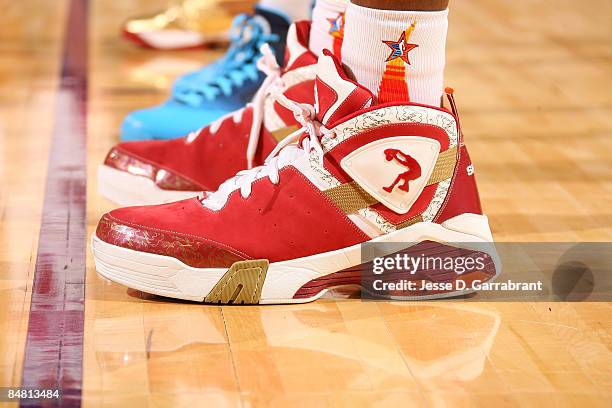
[284, 153]
[273, 84]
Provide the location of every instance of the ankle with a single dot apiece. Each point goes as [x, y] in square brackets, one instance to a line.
[398, 55]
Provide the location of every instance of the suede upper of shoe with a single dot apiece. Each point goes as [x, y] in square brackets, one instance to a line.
[192, 165]
[201, 237]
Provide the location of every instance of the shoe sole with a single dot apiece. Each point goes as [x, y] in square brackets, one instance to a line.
[127, 189]
[203, 44]
[294, 281]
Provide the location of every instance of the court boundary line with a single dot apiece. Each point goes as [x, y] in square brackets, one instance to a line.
[53, 356]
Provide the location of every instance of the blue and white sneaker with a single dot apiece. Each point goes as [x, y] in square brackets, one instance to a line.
[224, 86]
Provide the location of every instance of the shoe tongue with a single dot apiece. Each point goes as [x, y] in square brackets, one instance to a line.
[277, 24]
[336, 95]
[297, 53]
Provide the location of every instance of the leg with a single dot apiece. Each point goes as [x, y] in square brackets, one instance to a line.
[293, 9]
[411, 5]
[327, 27]
[397, 48]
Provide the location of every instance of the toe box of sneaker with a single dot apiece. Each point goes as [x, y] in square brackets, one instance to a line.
[165, 230]
[158, 160]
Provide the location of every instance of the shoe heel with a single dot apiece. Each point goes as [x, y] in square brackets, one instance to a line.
[430, 270]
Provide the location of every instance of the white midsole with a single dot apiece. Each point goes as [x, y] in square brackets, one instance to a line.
[167, 276]
[128, 189]
[170, 39]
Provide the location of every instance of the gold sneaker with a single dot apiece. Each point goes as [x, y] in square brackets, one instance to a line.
[187, 24]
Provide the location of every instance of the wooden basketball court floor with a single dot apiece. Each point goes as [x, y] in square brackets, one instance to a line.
[533, 83]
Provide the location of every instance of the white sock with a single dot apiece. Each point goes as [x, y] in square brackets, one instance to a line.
[417, 73]
[327, 27]
[295, 10]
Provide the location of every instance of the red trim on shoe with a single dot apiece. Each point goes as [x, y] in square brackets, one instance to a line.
[136, 39]
[462, 194]
[327, 96]
[334, 156]
[302, 30]
[276, 222]
[386, 105]
[192, 250]
[342, 72]
[353, 102]
[362, 274]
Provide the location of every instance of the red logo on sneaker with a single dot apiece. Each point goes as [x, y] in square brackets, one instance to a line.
[413, 172]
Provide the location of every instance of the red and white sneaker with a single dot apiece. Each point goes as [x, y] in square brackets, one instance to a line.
[159, 171]
[287, 231]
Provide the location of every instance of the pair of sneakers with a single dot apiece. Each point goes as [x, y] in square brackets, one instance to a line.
[295, 185]
[200, 97]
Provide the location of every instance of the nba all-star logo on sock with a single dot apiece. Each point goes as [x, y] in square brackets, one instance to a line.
[336, 30]
[393, 86]
[398, 55]
[401, 47]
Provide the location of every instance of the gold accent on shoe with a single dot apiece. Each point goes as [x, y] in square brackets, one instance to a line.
[241, 284]
[409, 222]
[350, 197]
[211, 18]
[445, 166]
[280, 134]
